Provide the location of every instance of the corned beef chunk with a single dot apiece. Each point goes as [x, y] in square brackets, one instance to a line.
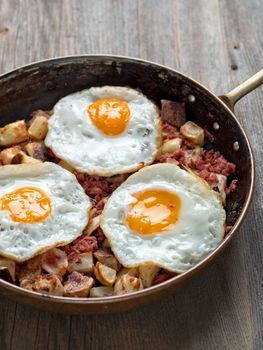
[96, 187]
[173, 112]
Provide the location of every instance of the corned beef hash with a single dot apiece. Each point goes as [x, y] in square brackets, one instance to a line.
[108, 194]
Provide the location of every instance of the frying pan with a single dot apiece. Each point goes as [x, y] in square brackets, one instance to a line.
[40, 85]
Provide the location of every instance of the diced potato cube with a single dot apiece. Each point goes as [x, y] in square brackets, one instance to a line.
[99, 292]
[78, 285]
[55, 262]
[127, 284]
[104, 274]
[49, 284]
[8, 154]
[192, 154]
[39, 128]
[7, 267]
[81, 263]
[27, 284]
[36, 150]
[13, 133]
[147, 274]
[169, 146]
[107, 258]
[93, 224]
[193, 132]
[27, 274]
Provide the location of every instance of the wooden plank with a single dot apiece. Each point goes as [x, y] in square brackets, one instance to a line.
[216, 42]
[245, 54]
[7, 321]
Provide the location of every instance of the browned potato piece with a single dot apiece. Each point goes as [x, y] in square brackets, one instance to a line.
[127, 284]
[49, 284]
[147, 274]
[104, 274]
[99, 292]
[169, 146]
[8, 154]
[193, 132]
[78, 285]
[27, 278]
[38, 128]
[27, 275]
[94, 223]
[29, 272]
[27, 284]
[55, 262]
[192, 154]
[7, 267]
[13, 133]
[36, 150]
[81, 263]
[107, 258]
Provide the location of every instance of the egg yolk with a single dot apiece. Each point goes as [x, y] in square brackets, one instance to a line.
[154, 211]
[27, 204]
[110, 116]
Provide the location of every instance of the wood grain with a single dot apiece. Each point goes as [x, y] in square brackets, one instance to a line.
[217, 42]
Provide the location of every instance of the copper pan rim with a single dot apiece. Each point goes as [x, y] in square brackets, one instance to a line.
[179, 279]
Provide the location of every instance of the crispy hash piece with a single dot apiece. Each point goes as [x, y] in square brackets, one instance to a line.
[13, 133]
[81, 262]
[78, 285]
[49, 284]
[87, 267]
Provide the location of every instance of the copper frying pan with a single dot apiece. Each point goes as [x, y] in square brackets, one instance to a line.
[41, 84]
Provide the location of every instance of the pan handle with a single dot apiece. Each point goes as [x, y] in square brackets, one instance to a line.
[241, 90]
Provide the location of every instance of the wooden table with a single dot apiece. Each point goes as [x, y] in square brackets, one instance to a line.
[219, 43]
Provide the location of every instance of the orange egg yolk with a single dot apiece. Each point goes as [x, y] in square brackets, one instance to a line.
[110, 116]
[154, 211]
[27, 204]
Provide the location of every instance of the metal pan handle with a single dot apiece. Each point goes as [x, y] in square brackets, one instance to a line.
[241, 90]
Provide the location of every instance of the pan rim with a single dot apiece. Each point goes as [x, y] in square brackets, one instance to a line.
[104, 301]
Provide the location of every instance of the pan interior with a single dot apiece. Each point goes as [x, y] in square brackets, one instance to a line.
[41, 85]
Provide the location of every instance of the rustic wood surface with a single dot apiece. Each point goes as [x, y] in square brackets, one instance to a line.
[219, 43]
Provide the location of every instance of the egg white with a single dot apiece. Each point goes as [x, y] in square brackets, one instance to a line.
[198, 231]
[73, 137]
[69, 210]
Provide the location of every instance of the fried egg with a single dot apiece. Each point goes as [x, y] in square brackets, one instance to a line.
[41, 206]
[163, 215]
[105, 130]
